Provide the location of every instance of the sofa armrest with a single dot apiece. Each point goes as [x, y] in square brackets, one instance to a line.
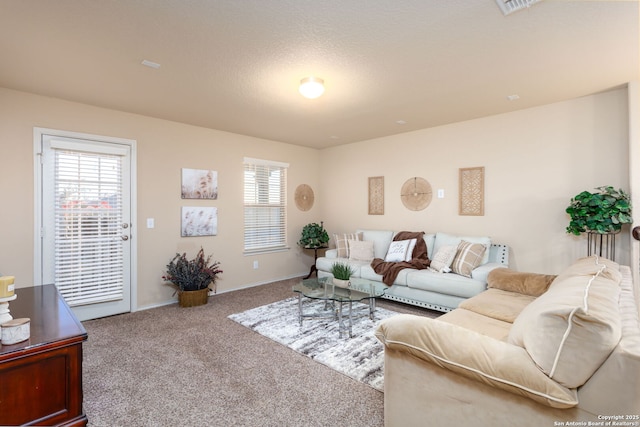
[482, 272]
[474, 356]
[331, 253]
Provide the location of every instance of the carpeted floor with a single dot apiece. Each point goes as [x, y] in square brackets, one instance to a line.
[173, 366]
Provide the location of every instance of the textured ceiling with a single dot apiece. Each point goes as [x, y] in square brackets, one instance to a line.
[235, 65]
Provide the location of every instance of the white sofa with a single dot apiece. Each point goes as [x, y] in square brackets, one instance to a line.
[520, 354]
[424, 288]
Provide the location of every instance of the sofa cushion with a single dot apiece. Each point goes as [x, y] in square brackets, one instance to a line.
[443, 239]
[572, 328]
[342, 243]
[441, 261]
[468, 257]
[532, 284]
[360, 250]
[450, 284]
[367, 272]
[491, 327]
[498, 304]
[473, 355]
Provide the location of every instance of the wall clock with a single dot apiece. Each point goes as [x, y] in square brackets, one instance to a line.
[416, 193]
[304, 197]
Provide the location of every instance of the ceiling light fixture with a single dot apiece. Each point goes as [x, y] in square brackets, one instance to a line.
[311, 87]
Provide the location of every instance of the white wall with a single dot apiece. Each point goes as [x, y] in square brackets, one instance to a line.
[535, 160]
[163, 148]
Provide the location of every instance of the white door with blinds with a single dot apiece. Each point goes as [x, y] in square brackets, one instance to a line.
[86, 223]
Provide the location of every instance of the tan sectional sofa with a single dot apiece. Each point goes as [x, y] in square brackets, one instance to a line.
[521, 354]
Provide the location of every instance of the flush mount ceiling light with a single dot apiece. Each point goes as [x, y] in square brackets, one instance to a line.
[509, 6]
[311, 87]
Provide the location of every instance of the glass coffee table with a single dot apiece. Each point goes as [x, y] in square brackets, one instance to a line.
[335, 297]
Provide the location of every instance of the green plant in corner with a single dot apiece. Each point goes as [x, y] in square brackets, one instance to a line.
[604, 211]
[341, 270]
[313, 236]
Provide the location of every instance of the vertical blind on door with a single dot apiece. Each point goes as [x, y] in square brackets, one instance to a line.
[88, 227]
[265, 205]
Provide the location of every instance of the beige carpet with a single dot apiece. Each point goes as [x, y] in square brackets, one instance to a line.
[173, 366]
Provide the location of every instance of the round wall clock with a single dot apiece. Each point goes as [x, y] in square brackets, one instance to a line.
[416, 194]
[304, 197]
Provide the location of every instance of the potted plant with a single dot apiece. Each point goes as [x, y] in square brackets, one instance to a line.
[602, 212]
[192, 278]
[341, 274]
[314, 236]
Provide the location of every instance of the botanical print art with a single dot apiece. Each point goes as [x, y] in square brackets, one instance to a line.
[199, 221]
[199, 184]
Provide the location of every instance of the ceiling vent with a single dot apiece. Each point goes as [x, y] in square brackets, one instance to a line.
[509, 6]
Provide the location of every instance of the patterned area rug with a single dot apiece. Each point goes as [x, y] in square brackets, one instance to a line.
[360, 357]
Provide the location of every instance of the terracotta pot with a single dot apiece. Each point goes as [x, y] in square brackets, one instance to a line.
[193, 298]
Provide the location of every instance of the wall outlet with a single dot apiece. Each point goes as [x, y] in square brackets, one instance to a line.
[256, 265]
[441, 194]
[151, 223]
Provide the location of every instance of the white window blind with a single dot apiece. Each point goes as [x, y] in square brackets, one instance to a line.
[265, 205]
[88, 223]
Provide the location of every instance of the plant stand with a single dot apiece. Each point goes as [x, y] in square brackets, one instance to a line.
[193, 298]
[315, 258]
[603, 245]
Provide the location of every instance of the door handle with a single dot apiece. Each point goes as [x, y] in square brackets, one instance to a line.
[636, 233]
[125, 237]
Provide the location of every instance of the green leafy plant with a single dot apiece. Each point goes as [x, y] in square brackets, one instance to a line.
[313, 236]
[192, 274]
[342, 270]
[604, 211]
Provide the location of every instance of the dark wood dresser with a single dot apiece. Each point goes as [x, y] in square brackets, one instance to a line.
[41, 378]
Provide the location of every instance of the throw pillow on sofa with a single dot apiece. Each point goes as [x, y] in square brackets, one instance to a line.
[442, 260]
[532, 284]
[360, 250]
[444, 239]
[397, 251]
[342, 243]
[410, 248]
[468, 257]
[572, 328]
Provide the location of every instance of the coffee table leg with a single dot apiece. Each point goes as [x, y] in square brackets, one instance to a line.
[372, 308]
[350, 319]
[300, 308]
[341, 326]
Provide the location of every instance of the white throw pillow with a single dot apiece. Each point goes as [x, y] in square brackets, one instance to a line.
[412, 246]
[397, 251]
[443, 259]
[360, 250]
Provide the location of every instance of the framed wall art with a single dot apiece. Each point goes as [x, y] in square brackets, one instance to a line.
[471, 195]
[199, 221]
[199, 184]
[376, 195]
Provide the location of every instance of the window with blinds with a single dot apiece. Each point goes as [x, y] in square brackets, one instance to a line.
[88, 217]
[265, 205]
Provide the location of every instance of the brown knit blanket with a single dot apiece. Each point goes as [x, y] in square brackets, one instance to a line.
[419, 260]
